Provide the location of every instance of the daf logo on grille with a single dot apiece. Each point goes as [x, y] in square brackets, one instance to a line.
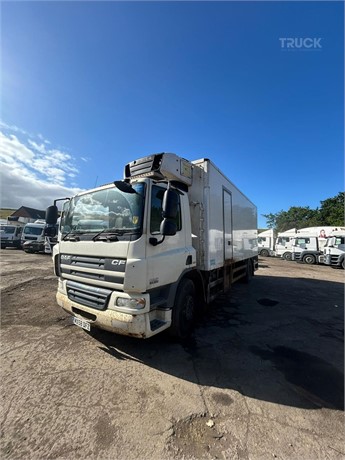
[65, 257]
[118, 262]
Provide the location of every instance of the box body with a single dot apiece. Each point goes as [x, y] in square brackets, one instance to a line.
[224, 220]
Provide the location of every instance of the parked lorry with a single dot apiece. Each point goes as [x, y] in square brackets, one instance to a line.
[10, 234]
[334, 250]
[308, 244]
[147, 253]
[266, 242]
[283, 244]
[32, 239]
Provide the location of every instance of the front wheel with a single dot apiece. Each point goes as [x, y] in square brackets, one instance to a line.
[287, 256]
[309, 259]
[264, 253]
[183, 313]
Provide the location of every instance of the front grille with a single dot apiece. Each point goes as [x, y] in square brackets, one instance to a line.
[90, 296]
[86, 262]
[334, 259]
[94, 268]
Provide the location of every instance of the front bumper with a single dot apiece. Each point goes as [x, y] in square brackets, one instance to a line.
[141, 324]
[10, 243]
[33, 246]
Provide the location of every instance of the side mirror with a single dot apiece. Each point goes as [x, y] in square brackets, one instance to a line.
[52, 215]
[170, 204]
[50, 231]
[168, 228]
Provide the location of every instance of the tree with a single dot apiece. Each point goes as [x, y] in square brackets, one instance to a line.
[295, 217]
[330, 213]
[332, 210]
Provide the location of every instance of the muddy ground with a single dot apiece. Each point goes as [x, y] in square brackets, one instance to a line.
[262, 377]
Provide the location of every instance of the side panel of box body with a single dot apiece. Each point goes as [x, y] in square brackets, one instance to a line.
[220, 234]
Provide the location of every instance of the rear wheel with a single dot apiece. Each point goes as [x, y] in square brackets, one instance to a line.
[183, 313]
[249, 272]
[309, 259]
[287, 256]
[264, 253]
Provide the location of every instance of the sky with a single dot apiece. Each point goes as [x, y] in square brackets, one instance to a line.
[257, 87]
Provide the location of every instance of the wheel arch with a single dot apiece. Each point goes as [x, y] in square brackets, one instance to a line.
[198, 281]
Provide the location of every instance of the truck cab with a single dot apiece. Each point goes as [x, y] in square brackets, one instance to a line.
[334, 251]
[266, 243]
[283, 244]
[32, 238]
[10, 236]
[307, 249]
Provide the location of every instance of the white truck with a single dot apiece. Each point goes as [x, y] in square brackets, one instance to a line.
[309, 242]
[283, 244]
[334, 250]
[266, 242]
[32, 239]
[10, 234]
[144, 254]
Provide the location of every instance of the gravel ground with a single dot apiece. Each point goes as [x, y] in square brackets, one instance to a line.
[262, 377]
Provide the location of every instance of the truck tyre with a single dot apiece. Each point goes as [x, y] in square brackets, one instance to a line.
[309, 259]
[287, 256]
[264, 253]
[343, 263]
[249, 272]
[183, 312]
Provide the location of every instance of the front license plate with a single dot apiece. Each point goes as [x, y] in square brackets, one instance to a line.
[81, 323]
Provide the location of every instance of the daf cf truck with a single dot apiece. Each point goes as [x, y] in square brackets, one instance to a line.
[146, 253]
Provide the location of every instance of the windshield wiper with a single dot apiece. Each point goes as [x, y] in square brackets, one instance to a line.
[72, 233]
[108, 235]
[111, 233]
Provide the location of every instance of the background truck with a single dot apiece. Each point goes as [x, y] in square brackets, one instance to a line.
[308, 244]
[334, 250]
[283, 244]
[147, 253]
[32, 239]
[266, 242]
[10, 234]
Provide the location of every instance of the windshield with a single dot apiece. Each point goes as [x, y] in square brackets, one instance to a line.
[105, 210]
[33, 230]
[7, 229]
[329, 242]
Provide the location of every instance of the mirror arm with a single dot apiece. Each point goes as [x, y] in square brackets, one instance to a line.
[155, 242]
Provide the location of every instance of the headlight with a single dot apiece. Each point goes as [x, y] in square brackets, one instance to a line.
[130, 303]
